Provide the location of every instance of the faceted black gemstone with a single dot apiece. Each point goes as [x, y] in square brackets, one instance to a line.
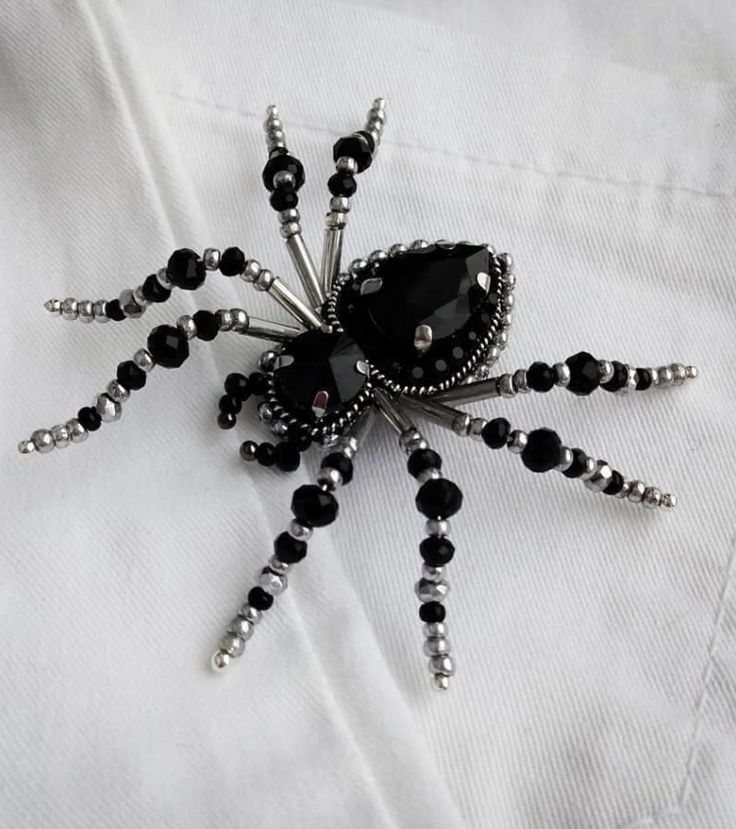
[258, 598]
[283, 199]
[421, 459]
[354, 146]
[436, 551]
[230, 404]
[279, 163]
[185, 269]
[540, 377]
[226, 420]
[114, 311]
[238, 385]
[313, 507]
[302, 442]
[207, 325]
[288, 549]
[496, 432]
[232, 262]
[322, 373]
[542, 451]
[439, 498]
[265, 454]
[257, 383]
[342, 184]
[584, 373]
[643, 379]
[620, 376]
[131, 376]
[340, 462]
[286, 456]
[432, 612]
[168, 346]
[154, 291]
[615, 485]
[248, 450]
[577, 467]
[89, 418]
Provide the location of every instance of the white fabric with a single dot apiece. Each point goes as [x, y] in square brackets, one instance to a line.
[594, 640]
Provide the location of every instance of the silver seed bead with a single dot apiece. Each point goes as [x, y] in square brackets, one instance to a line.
[272, 583]
[128, 304]
[429, 474]
[267, 360]
[655, 376]
[53, 306]
[279, 428]
[211, 259]
[669, 501]
[251, 270]
[520, 382]
[287, 231]
[636, 492]
[435, 629]
[60, 435]
[475, 430]
[224, 319]
[605, 371]
[590, 468]
[442, 665]
[346, 164]
[43, 440]
[493, 354]
[432, 573]
[241, 628]
[163, 278]
[265, 412]
[347, 445]
[665, 376]
[418, 244]
[108, 409]
[436, 646]
[250, 614]
[377, 256]
[509, 280]
[241, 320]
[502, 339]
[77, 432]
[410, 440]
[140, 298]
[625, 490]
[506, 320]
[329, 479]
[335, 221]
[143, 359]
[98, 309]
[117, 391]
[290, 215]
[25, 447]
[397, 250]
[679, 373]
[441, 683]
[431, 591]
[601, 478]
[298, 531]
[437, 526]
[264, 280]
[652, 497]
[509, 301]
[188, 326]
[505, 384]
[340, 204]
[562, 370]
[692, 372]
[69, 309]
[566, 458]
[278, 566]
[461, 424]
[232, 645]
[517, 441]
[357, 266]
[283, 178]
[219, 661]
[85, 311]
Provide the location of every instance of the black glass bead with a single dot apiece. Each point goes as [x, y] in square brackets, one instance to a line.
[432, 612]
[286, 456]
[131, 376]
[248, 449]
[369, 138]
[643, 379]
[283, 199]
[283, 162]
[584, 373]
[114, 311]
[232, 262]
[540, 377]
[265, 454]
[89, 418]
[207, 325]
[340, 462]
[153, 290]
[313, 507]
[302, 442]
[169, 346]
[354, 146]
[496, 432]
[437, 551]
[439, 498]
[342, 184]
[421, 459]
[226, 420]
[577, 467]
[257, 383]
[615, 485]
[237, 385]
[230, 404]
[185, 269]
[258, 598]
[619, 379]
[289, 550]
[542, 450]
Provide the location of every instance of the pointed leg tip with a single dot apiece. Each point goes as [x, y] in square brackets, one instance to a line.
[219, 661]
[25, 447]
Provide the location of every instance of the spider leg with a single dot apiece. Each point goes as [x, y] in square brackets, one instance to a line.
[542, 450]
[438, 499]
[312, 506]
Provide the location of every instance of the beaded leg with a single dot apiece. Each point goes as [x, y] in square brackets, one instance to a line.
[438, 499]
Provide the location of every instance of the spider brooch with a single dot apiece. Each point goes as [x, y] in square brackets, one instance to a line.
[407, 333]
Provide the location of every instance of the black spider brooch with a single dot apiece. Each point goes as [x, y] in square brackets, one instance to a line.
[409, 333]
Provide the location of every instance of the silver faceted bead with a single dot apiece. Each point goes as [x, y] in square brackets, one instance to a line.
[636, 491]
[265, 412]
[517, 441]
[601, 478]
[441, 683]
[143, 359]
[625, 490]
[340, 204]
[442, 664]
[117, 392]
[669, 501]
[431, 591]
[251, 270]
[265, 278]
[188, 326]
[219, 661]
[77, 432]
[61, 437]
[652, 497]
[211, 259]
[432, 573]
[43, 440]
[241, 628]
[562, 370]
[86, 311]
[436, 646]
[99, 311]
[69, 308]
[250, 614]
[475, 430]
[224, 319]
[130, 307]
[436, 629]
[298, 531]
[665, 376]
[679, 373]
[272, 583]
[108, 409]
[232, 645]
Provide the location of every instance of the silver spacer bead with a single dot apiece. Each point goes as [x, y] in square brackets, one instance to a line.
[162, 276]
[25, 447]
[272, 583]
[412, 440]
[475, 430]
[60, 436]
[600, 479]
[669, 501]
[562, 370]
[357, 266]
[140, 298]
[265, 412]
[298, 531]
[241, 320]
[232, 645]
[267, 360]
[130, 307]
[53, 306]
[340, 204]
[652, 497]
[461, 424]
[566, 458]
[69, 308]
[665, 376]
[241, 628]
[679, 373]
[520, 382]
[377, 256]
[429, 474]
[605, 370]
[397, 250]
[143, 359]
[437, 526]
[278, 566]
[345, 164]
[348, 445]
[288, 230]
[224, 319]
[186, 324]
[625, 490]
[117, 391]
[436, 646]
[502, 340]
[432, 573]
[250, 614]
[328, 478]
[251, 269]
[636, 491]
[335, 220]
[591, 465]
[505, 384]
[108, 409]
[77, 432]
[99, 311]
[517, 441]
[264, 280]
[692, 372]
[86, 311]
[290, 215]
[43, 440]
[435, 629]
[441, 682]
[418, 244]
[431, 591]
[219, 661]
[284, 179]
[442, 665]
[211, 259]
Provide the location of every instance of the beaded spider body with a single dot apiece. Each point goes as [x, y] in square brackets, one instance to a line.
[408, 333]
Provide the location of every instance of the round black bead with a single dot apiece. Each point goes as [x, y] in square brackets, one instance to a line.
[313, 507]
[615, 485]
[237, 385]
[439, 498]
[437, 551]
[302, 442]
[540, 377]
[258, 598]
[207, 325]
[340, 462]
[432, 612]
[248, 449]
[283, 162]
[619, 379]
[542, 450]
[286, 456]
[643, 379]
[421, 459]
[185, 269]
[153, 290]
[226, 420]
[265, 454]
[89, 418]
[342, 184]
[257, 383]
[283, 199]
[288, 549]
[584, 373]
[230, 404]
[114, 311]
[496, 432]
[232, 262]
[169, 346]
[577, 467]
[354, 146]
[131, 376]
